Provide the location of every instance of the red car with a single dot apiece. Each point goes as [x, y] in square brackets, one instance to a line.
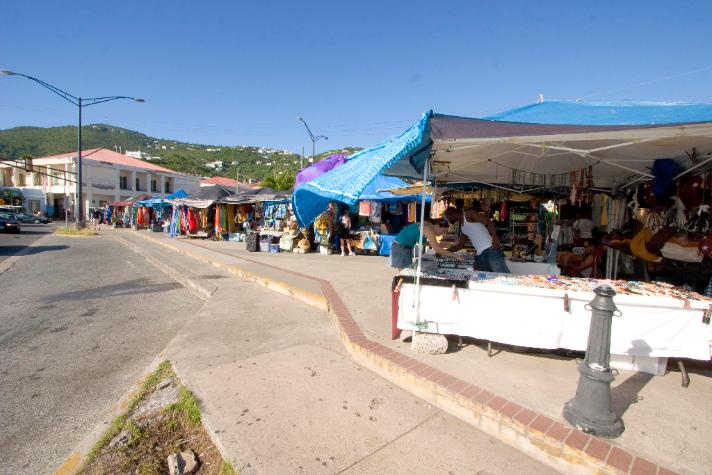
[9, 223]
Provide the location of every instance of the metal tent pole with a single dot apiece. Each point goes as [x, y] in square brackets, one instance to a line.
[420, 251]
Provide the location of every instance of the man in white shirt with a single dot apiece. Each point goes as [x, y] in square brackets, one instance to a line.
[479, 228]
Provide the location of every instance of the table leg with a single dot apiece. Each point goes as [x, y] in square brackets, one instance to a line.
[683, 372]
[395, 331]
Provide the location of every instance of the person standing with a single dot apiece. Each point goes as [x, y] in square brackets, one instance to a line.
[345, 234]
[96, 216]
[479, 228]
[405, 241]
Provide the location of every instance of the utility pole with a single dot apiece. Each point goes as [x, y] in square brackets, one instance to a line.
[313, 138]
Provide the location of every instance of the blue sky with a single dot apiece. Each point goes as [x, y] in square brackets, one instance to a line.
[231, 72]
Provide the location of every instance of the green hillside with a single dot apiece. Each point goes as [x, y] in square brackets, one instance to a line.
[252, 162]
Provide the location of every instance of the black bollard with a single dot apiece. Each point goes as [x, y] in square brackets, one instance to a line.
[590, 411]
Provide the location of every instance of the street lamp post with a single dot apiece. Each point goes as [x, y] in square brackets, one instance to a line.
[79, 103]
[312, 137]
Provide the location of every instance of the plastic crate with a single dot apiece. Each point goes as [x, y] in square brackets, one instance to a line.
[274, 248]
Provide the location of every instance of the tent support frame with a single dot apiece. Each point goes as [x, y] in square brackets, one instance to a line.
[420, 246]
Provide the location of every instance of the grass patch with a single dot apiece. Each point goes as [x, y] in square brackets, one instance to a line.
[164, 371]
[75, 232]
[226, 469]
[139, 441]
[116, 425]
[188, 406]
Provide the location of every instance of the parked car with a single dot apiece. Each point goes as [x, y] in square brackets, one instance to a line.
[9, 223]
[31, 218]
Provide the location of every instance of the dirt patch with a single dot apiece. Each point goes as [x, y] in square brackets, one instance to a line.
[163, 419]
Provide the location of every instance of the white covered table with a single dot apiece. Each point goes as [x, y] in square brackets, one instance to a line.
[650, 329]
[532, 268]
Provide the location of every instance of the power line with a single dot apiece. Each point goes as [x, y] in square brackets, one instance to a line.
[647, 83]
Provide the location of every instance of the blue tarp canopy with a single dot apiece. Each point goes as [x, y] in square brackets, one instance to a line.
[152, 203]
[383, 183]
[178, 194]
[526, 149]
[607, 113]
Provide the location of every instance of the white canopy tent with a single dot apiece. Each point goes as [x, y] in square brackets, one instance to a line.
[541, 160]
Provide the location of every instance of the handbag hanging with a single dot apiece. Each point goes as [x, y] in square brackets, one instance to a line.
[639, 241]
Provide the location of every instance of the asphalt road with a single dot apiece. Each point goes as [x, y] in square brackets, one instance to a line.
[80, 320]
[11, 244]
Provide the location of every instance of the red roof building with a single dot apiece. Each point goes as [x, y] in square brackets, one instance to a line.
[107, 177]
[109, 156]
[223, 181]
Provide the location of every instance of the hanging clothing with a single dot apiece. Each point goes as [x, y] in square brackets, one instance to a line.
[204, 218]
[193, 218]
[321, 224]
[218, 228]
[364, 208]
[412, 212]
[375, 214]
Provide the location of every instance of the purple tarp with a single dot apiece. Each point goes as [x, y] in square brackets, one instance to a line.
[318, 168]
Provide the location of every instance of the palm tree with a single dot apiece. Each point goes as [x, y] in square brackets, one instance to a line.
[279, 183]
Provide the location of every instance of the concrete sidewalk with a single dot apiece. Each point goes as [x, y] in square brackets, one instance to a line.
[516, 397]
[280, 395]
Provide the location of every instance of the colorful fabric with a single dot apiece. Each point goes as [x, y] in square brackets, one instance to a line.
[364, 208]
[412, 212]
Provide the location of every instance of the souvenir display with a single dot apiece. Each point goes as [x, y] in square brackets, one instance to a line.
[444, 269]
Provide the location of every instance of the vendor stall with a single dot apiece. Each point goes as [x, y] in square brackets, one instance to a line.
[195, 216]
[383, 213]
[157, 211]
[579, 150]
[258, 210]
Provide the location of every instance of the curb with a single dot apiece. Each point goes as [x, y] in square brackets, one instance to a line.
[557, 445]
[202, 288]
[279, 286]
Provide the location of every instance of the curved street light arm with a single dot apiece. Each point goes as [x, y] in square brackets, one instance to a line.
[98, 100]
[63, 94]
[308, 129]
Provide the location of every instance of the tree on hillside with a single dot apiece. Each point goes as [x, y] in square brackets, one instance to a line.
[280, 183]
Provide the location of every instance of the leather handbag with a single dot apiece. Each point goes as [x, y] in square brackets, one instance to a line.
[639, 241]
[659, 239]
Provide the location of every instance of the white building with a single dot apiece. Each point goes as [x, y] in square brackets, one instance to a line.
[136, 154]
[107, 177]
[215, 165]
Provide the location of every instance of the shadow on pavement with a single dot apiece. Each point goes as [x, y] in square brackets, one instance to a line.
[131, 287]
[627, 393]
[12, 250]
[34, 233]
